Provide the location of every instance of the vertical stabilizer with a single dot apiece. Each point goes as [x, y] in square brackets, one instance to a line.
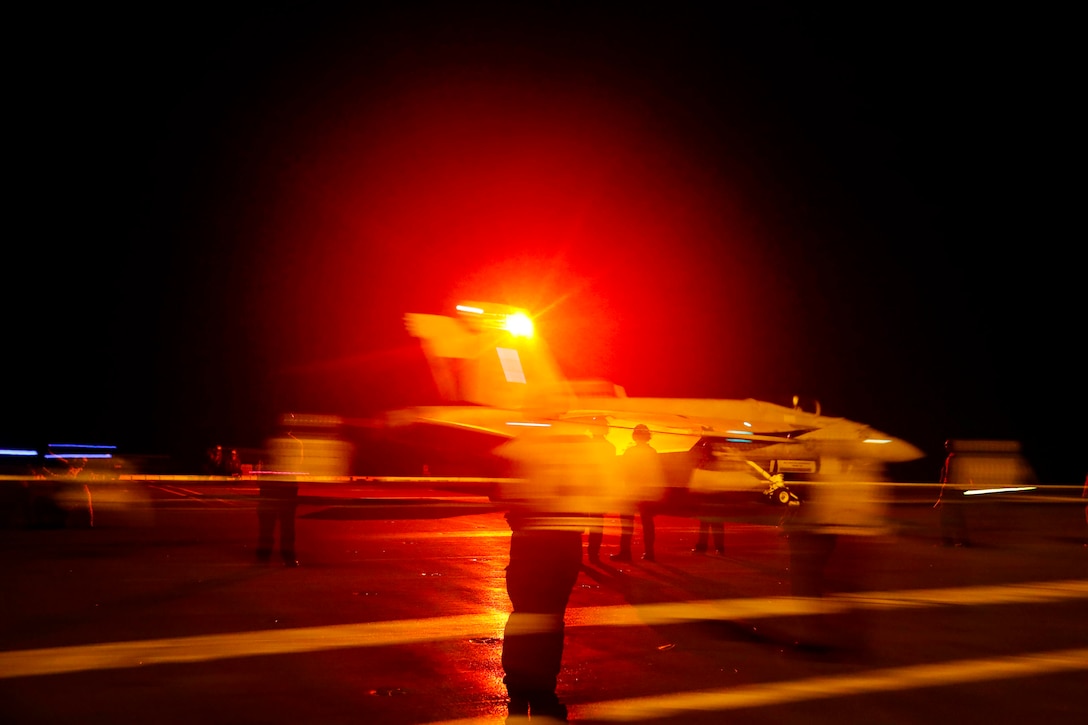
[490, 355]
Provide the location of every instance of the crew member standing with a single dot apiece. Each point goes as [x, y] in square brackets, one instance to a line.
[556, 477]
[951, 503]
[644, 478]
[277, 500]
[277, 503]
[702, 500]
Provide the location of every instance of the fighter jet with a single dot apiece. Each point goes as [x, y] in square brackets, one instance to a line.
[498, 380]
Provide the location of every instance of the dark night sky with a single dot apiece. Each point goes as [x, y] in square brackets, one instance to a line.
[221, 215]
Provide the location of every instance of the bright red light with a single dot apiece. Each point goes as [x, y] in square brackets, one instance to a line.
[519, 325]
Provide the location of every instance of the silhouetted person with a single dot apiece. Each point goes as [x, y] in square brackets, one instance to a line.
[277, 503]
[839, 508]
[645, 482]
[548, 505]
[234, 463]
[213, 461]
[710, 527]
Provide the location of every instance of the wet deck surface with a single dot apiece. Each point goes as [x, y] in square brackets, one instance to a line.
[161, 614]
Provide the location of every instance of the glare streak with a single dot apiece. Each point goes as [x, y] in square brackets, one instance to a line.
[983, 491]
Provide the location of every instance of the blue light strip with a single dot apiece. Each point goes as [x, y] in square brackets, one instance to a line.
[57, 456]
[17, 452]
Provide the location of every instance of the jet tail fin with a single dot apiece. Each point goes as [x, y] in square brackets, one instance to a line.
[481, 358]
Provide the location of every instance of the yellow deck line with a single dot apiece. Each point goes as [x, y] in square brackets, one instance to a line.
[139, 653]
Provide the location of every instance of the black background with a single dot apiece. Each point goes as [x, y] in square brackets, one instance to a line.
[218, 215]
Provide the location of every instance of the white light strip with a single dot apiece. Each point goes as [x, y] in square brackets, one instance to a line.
[983, 491]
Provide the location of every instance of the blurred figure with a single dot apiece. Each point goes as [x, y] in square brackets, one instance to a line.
[277, 497]
[710, 526]
[982, 465]
[308, 447]
[234, 463]
[83, 514]
[556, 481]
[701, 499]
[607, 454]
[644, 478]
[277, 503]
[841, 507]
[705, 487]
[213, 461]
[950, 502]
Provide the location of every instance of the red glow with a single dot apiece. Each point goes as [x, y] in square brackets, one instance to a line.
[561, 201]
